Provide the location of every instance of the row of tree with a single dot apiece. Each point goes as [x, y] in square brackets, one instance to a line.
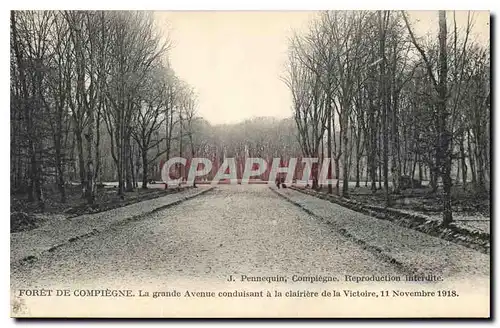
[87, 87]
[388, 100]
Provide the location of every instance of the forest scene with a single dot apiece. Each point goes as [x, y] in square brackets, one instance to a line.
[256, 160]
[405, 120]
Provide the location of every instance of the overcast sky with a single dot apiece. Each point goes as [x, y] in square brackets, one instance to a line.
[234, 60]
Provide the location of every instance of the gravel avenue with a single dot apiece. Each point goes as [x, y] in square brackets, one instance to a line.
[232, 230]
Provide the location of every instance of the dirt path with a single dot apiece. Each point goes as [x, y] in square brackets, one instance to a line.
[231, 230]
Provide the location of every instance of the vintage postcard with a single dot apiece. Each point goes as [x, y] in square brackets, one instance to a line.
[259, 164]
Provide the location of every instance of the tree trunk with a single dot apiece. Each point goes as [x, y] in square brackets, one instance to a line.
[97, 172]
[444, 151]
[168, 138]
[81, 159]
[314, 171]
[59, 169]
[396, 156]
[366, 173]
[481, 187]
[120, 156]
[128, 167]
[329, 147]
[463, 163]
[472, 163]
[337, 174]
[144, 156]
[345, 153]
[414, 167]
[420, 172]
[358, 177]
[433, 179]
[385, 107]
[379, 167]
[89, 187]
[132, 166]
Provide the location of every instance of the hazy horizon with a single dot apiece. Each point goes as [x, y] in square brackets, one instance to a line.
[234, 59]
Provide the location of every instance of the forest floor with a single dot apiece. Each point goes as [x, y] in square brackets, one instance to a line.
[469, 210]
[58, 230]
[26, 215]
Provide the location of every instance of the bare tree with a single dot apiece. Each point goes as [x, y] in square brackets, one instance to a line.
[150, 118]
[444, 138]
[134, 47]
[309, 101]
